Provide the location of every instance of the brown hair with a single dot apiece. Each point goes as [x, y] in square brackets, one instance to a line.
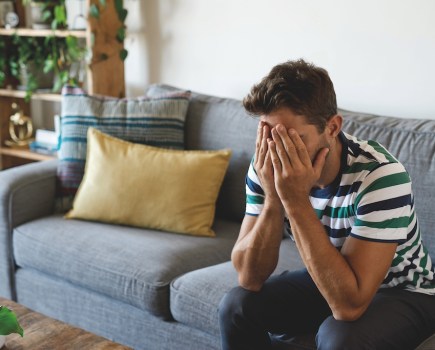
[300, 86]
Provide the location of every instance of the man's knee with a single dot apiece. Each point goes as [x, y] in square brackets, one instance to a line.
[237, 303]
[333, 335]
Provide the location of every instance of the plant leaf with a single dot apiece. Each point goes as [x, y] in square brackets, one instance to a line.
[120, 34]
[103, 3]
[122, 15]
[60, 14]
[94, 11]
[8, 322]
[119, 4]
[123, 54]
[49, 65]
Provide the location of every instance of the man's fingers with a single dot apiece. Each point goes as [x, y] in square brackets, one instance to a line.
[274, 157]
[285, 147]
[300, 147]
[261, 144]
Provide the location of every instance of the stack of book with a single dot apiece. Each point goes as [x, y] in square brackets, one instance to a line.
[47, 141]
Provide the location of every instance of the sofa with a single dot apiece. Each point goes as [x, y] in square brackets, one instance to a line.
[158, 290]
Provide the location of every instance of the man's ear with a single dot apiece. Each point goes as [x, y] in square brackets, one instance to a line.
[334, 124]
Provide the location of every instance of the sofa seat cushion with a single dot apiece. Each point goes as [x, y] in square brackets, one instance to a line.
[132, 265]
[195, 296]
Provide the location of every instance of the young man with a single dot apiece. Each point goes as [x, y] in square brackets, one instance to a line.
[348, 204]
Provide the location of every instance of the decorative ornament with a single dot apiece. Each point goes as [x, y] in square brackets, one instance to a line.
[20, 128]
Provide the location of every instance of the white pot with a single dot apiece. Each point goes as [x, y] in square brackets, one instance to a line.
[75, 14]
[36, 11]
[2, 340]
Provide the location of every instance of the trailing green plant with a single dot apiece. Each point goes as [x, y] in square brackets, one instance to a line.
[8, 322]
[95, 11]
[46, 54]
[26, 51]
[53, 12]
[53, 54]
[64, 53]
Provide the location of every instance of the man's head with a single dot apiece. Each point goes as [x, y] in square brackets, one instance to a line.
[299, 86]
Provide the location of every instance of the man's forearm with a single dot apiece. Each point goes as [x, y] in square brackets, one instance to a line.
[328, 268]
[256, 252]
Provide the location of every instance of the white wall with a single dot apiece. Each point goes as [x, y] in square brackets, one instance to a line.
[379, 53]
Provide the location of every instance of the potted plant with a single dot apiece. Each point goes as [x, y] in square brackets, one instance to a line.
[47, 14]
[8, 324]
[25, 59]
[55, 55]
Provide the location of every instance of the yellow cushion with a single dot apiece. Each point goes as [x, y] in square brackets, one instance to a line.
[144, 186]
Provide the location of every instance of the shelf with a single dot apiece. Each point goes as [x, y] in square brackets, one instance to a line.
[43, 32]
[24, 153]
[35, 96]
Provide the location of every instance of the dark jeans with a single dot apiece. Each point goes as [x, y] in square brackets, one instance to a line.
[291, 304]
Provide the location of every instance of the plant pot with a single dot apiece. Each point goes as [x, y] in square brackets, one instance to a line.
[43, 80]
[37, 10]
[75, 14]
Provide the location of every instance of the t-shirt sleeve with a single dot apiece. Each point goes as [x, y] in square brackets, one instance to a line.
[254, 192]
[384, 205]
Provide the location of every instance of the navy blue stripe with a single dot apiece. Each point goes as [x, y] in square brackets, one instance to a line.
[405, 271]
[128, 125]
[127, 119]
[356, 150]
[392, 203]
[348, 189]
[253, 186]
[375, 239]
[338, 233]
[251, 214]
[412, 232]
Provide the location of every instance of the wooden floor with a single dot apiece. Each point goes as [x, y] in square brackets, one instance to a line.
[43, 333]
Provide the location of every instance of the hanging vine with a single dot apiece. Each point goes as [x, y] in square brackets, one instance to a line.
[95, 11]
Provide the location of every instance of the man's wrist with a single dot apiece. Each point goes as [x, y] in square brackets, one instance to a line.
[296, 204]
[272, 204]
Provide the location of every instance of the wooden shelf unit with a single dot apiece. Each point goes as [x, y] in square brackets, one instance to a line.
[36, 96]
[42, 32]
[104, 76]
[25, 153]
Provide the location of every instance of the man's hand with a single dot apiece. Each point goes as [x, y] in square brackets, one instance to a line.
[294, 173]
[263, 162]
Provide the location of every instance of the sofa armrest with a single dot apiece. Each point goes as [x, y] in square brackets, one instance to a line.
[26, 193]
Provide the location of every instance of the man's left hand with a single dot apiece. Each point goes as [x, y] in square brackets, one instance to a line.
[294, 173]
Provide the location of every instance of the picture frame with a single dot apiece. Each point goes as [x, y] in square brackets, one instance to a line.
[6, 6]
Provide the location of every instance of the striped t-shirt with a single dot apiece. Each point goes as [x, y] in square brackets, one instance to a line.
[370, 199]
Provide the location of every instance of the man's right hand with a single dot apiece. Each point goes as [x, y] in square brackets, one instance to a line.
[263, 164]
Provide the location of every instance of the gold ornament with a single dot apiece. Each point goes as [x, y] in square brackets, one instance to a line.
[20, 128]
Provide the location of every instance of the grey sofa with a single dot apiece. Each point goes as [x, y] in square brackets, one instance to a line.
[157, 290]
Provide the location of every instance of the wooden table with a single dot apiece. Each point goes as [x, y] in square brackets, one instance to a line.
[44, 333]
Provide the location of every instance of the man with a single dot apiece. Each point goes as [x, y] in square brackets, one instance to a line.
[369, 282]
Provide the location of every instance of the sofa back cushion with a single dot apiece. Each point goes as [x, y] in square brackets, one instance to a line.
[216, 123]
[412, 141]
